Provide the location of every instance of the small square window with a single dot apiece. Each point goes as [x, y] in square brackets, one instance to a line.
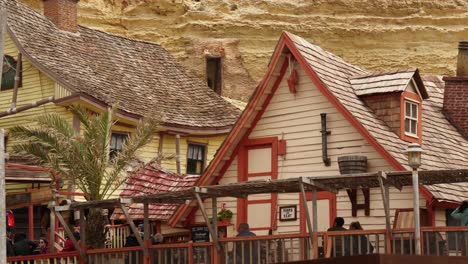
[195, 159]
[116, 144]
[411, 118]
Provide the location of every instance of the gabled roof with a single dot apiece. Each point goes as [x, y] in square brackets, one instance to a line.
[152, 180]
[141, 76]
[387, 82]
[444, 147]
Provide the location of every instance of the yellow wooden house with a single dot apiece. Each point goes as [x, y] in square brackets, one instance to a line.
[59, 63]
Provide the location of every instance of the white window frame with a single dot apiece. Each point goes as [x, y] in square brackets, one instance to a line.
[411, 118]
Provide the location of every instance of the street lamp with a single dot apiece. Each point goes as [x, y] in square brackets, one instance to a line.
[414, 152]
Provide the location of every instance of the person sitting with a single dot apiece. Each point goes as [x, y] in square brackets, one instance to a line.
[23, 246]
[157, 239]
[43, 246]
[131, 240]
[69, 244]
[359, 243]
[341, 242]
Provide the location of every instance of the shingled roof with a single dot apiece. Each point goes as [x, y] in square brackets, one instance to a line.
[152, 180]
[444, 147]
[141, 76]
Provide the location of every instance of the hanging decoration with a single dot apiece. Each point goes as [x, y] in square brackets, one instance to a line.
[293, 76]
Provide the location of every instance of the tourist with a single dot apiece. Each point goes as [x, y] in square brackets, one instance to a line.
[23, 246]
[69, 244]
[461, 213]
[359, 243]
[243, 248]
[43, 246]
[339, 240]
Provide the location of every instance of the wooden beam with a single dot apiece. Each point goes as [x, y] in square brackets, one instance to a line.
[134, 229]
[207, 221]
[318, 185]
[386, 203]
[70, 234]
[315, 223]
[3, 234]
[177, 142]
[52, 228]
[17, 80]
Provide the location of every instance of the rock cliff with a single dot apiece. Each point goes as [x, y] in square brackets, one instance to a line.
[374, 34]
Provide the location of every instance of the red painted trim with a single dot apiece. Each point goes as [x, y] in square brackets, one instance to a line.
[320, 196]
[430, 213]
[415, 98]
[426, 193]
[259, 201]
[259, 174]
[445, 204]
[329, 95]
[260, 228]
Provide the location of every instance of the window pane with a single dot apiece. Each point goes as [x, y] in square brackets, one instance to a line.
[413, 126]
[116, 144]
[195, 159]
[414, 112]
[408, 109]
[407, 125]
[8, 72]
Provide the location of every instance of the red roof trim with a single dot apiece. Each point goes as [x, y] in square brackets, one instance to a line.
[26, 167]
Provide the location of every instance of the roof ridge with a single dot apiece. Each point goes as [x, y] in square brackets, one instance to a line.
[381, 73]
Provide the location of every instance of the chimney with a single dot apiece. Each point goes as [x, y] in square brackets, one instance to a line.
[456, 93]
[63, 13]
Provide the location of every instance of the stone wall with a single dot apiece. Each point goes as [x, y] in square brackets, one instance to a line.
[377, 34]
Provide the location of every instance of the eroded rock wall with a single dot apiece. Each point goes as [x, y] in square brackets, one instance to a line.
[374, 34]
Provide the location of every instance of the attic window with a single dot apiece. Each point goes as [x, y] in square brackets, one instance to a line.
[116, 145]
[214, 73]
[411, 118]
[195, 159]
[8, 73]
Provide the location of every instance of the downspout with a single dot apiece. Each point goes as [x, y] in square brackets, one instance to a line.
[325, 133]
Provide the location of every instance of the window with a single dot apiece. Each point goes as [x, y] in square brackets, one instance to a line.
[117, 142]
[8, 73]
[195, 159]
[411, 118]
[213, 73]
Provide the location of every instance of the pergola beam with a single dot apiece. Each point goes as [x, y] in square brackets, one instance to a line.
[318, 185]
[207, 220]
[306, 209]
[134, 229]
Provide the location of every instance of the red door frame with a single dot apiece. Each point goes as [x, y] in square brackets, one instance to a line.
[331, 197]
[242, 175]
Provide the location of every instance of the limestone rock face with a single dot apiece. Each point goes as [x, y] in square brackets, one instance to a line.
[377, 34]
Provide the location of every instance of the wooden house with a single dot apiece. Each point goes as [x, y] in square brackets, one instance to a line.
[313, 111]
[59, 63]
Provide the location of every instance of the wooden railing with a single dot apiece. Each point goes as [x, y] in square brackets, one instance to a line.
[435, 241]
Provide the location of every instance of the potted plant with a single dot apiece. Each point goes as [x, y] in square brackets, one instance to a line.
[224, 216]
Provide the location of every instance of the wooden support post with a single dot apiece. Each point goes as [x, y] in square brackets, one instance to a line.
[386, 203]
[146, 227]
[70, 234]
[214, 204]
[52, 228]
[3, 252]
[207, 220]
[306, 209]
[31, 221]
[134, 229]
[83, 231]
[177, 142]
[315, 222]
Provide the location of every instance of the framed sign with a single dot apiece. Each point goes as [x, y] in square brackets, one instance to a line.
[200, 234]
[288, 213]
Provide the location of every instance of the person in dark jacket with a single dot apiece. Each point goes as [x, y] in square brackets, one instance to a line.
[23, 246]
[243, 248]
[359, 243]
[9, 244]
[339, 241]
[461, 214]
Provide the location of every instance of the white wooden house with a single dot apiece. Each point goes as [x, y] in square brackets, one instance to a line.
[312, 108]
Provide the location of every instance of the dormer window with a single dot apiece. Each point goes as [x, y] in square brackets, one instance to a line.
[411, 118]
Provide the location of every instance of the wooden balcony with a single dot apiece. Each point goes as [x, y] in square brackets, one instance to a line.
[435, 241]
